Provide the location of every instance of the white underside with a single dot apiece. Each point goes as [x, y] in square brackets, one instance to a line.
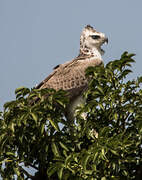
[76, 103]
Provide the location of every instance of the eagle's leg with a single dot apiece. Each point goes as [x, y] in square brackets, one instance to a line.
[70, 120]
[70, 112]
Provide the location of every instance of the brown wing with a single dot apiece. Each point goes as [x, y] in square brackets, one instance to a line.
[66, 76]
[69, 76]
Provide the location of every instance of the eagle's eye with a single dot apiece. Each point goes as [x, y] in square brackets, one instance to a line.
[95, 36]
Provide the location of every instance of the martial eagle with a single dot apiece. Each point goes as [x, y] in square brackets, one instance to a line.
[70, 76]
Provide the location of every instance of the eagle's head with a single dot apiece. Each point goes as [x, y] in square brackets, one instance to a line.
[91, 41]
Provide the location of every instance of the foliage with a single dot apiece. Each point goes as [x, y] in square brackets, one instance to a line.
[106, 145]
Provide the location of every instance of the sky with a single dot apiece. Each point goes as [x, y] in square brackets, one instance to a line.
[36, 35]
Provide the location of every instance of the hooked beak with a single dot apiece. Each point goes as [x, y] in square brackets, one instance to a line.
[106, 40]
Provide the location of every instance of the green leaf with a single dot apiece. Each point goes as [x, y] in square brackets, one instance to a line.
[10, 153]
[10, 104]
[130, 109]
[54, 124]
[124, 54]
[88, 172]
[103, 178]
[21, 92]
[100, 89]
[42, 128]
[101, 106]
[115, 116]
[35, 117]
[55, 149]
[60, 173]
[126, 72]
[85, 161]
[68, 159]
[63, 146]
[114, 152]
[51, 170]
[20, 89]
[140, 79]
[103, 154]
[17, 172]
[95, 156]
[131, 55]
[60, 102]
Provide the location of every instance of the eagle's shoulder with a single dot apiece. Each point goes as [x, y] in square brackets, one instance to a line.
[69, 73]
[58, 70]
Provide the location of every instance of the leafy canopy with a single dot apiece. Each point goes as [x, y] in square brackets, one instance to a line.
[106, 145]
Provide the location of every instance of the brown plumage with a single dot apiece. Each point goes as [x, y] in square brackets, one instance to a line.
[70, 76]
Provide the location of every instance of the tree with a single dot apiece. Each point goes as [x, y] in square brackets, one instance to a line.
[107, 144]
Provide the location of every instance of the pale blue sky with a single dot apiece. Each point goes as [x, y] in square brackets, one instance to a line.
[36, 35]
